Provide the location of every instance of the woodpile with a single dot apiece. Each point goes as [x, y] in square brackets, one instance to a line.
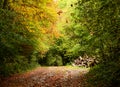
[85, 62]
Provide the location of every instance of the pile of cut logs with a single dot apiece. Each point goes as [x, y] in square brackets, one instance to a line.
[85, 62]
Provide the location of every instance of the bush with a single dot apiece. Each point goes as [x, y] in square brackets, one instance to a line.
[53, 60]
[105, 75]
[18, 65]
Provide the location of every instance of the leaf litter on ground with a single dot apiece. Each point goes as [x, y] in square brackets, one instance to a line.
[63, 76]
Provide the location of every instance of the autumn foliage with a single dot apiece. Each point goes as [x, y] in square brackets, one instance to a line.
[27, 29]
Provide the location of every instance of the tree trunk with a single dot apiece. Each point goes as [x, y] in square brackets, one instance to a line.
[5, 4]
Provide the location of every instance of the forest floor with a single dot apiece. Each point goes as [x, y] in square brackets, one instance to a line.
[48, 77]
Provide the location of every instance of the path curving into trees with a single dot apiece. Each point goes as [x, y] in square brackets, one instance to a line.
[48, 77]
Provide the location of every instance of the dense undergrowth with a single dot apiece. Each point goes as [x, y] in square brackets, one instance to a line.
[104, 75]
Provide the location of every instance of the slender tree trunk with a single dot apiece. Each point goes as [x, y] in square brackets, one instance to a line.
[5, 4]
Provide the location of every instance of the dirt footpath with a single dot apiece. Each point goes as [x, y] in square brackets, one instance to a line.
[48, 77]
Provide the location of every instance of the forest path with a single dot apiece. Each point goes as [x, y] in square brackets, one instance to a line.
[48, 77]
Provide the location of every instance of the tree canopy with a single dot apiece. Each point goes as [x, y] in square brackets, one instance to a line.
[27, 29]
